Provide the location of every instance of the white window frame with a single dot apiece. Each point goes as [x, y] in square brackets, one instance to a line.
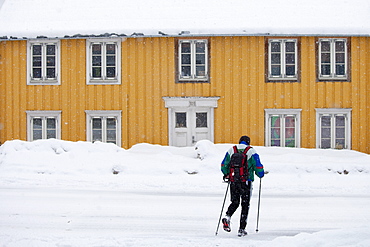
[43, 80]
[283, 63]
[104, 80]
[332, 112]
[283, 113]
[333, 61]
[104, 115]
[43, 115]
[193, 77]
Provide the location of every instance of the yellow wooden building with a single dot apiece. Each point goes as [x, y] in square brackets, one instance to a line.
[288, 90]
[311, 92]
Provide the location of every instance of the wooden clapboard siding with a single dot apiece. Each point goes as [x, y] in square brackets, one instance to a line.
[237, 76]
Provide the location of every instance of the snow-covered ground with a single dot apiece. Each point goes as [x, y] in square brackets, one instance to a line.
[59, 193]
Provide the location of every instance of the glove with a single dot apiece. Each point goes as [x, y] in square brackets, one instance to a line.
[261, 174]
[226, 177]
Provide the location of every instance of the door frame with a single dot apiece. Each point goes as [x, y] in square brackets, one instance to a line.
[176, 103]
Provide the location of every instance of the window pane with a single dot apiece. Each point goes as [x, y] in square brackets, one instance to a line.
[290, 143]
[290, 70]
[37, 134]
[111, 72]
[200, 47]
[50, 49]
[51, 134]
[37, 123]
[97, 132]
[180, 119]
[275, 143]
[50, 73]
[200, 59]
[185, 47]
[97, 135]
[289, 46]
[50, 61]
[275, 46]
[111, 130]
[36, 73]
[96, 60]
[275, 121]
[96, 72]
[275, 58]
[111, 136]
[36, 49]
[325, 46]
[96, 49]
[325, 133]
[340, 69]
[339, 133]
[275, 131]
[325, 143]
[111, 61]
[51, 123]
[37, 128]
[201, 119]
[111, 48]
[340, 143]
[36, 61]
[290, 58]
[185, 71]
[339, 46]
[325, 69]
[339, 58]
[200, 71]
[185, 59]
[326, 121]
[97, 123]
[325, 57]
[275, 70]
[290, 122]
[340, 121]
[111, 123]
[289, 131]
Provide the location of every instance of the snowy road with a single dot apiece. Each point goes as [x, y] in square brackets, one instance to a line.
[59, 217]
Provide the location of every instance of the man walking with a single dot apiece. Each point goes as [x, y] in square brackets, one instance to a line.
[240, 164]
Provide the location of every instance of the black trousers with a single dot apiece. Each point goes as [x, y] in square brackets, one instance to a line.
[240, 191]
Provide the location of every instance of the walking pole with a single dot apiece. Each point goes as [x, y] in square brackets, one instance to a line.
[259, 199]
[222, 209]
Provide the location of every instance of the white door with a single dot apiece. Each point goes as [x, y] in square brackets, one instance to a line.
[190, 120]
[190, 125]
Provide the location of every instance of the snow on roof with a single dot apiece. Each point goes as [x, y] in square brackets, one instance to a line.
[60, 18]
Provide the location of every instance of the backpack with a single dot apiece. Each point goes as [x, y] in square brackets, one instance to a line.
[239, 165]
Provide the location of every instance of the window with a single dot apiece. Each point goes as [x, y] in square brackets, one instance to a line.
[104, 126]
[282, 59]
[43, 125]
[282, 127]
[333, 128]
[43, 62]
[333, 59]
[193, 60]
[104, 61]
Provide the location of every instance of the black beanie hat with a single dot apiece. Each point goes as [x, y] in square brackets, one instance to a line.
[245, 139]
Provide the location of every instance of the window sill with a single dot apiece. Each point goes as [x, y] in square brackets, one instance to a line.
[101, 82]
[34, 83]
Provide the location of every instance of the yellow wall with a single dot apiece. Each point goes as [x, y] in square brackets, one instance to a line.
[237, 67]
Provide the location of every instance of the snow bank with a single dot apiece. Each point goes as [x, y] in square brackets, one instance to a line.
[83, 164]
